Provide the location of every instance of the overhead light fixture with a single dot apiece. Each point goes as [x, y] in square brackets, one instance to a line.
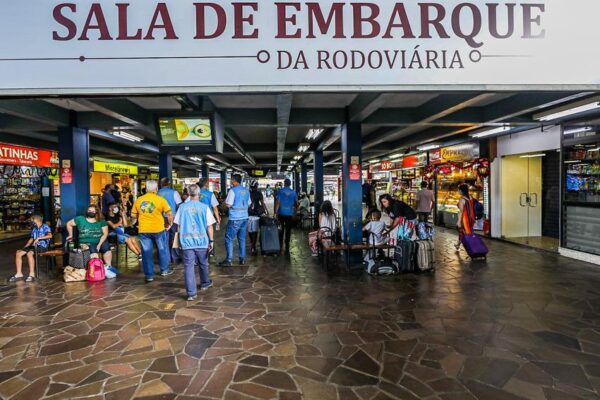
[573, 162]
[297, 157]
[303, 147]
[196, 159]
[578, 130]
[396, 156]
[127, 136]
[491, 132]
[533, 155]
[313, 134]
[568, 110]
[210, 163]
[374, 161]
[428, 147]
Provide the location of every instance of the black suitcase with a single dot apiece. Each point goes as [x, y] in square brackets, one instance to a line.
[404, 255]
[269, 239]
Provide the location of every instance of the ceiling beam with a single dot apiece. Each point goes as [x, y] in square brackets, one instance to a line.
[439, 107]
[365, 104]
[124, 111]
[36, 111]
[284, 107]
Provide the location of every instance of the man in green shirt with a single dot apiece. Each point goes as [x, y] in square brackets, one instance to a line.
[93, 232]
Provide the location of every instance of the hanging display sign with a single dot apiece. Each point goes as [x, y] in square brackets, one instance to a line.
[459, 153]
[258, 173]
[414, 161]
[66, 176]
[114, 168]
[27, 156]
[354, 171]
[297, 45]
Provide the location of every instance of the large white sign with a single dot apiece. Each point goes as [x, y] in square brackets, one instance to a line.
[51, 46]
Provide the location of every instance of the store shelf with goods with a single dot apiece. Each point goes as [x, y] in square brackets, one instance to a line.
[20, 196]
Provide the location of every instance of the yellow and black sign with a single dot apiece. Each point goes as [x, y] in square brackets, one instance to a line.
[113, 168]
[258, 173]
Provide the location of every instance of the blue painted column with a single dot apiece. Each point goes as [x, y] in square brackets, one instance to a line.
[318, 171]
[352, 183]
[304, 177]
[224, 184]
[297, 182]
[205, 171]
[46, 206]
[74, 154]
[165, 166]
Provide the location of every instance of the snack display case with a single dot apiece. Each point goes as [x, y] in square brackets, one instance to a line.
[20, 196]
[447, 196]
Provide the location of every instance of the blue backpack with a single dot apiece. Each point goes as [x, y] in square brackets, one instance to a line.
[478, 209]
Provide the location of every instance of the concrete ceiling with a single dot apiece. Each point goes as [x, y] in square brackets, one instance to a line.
[264, 130]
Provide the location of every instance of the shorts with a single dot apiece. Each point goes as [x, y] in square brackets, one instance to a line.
[27, 249]
[121, 235]
[103, 249]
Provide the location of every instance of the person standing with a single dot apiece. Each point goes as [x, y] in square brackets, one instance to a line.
[466, 214]
[286, 204]
[207, 197]
[174, 200]
[195, 222]
[107, 198]
[366, 193]
[425, 199]
[150, 210]
[256, 210]
[237, 201]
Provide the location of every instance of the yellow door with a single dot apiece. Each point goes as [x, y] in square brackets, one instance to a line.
[515, 182]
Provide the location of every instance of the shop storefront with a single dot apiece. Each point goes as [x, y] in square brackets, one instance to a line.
[526, 188]
[451, 166]
[105, 172]
[581, 194]
[400, 177]
[25, 176]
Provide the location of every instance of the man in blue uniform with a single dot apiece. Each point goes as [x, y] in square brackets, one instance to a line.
[174, 200]
[195, 221]
[286, 204]
[207, 197]
[238, 201]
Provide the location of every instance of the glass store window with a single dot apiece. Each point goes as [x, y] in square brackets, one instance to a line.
[581, 200]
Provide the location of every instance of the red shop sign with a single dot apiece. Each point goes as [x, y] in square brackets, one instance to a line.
[410, 161]
[386, 166]
[27, 156]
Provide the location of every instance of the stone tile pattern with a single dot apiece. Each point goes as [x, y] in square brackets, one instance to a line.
[523, 325]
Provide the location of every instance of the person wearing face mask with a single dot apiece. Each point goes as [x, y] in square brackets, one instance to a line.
[92, 232]
[40, 238]
[117, 222]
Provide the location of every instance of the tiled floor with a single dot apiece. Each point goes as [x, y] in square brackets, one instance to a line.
[521, 325]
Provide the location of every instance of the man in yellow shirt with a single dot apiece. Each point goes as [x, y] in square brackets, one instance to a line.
[155, 218]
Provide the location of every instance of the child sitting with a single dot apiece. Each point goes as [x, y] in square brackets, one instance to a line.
[40, 239]
[375, 232]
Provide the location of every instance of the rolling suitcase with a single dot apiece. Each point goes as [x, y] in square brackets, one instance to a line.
[269, 236]
[379, 262]
[474, 246]
[404, 255]
[425, 255]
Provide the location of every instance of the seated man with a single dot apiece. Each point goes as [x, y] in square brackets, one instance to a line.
[40, 238]
[93, 232]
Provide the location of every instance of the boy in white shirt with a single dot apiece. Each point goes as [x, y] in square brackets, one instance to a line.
[375, 230]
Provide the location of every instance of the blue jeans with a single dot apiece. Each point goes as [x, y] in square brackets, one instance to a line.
[236, 228]
[190, 257]
[148, 240]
